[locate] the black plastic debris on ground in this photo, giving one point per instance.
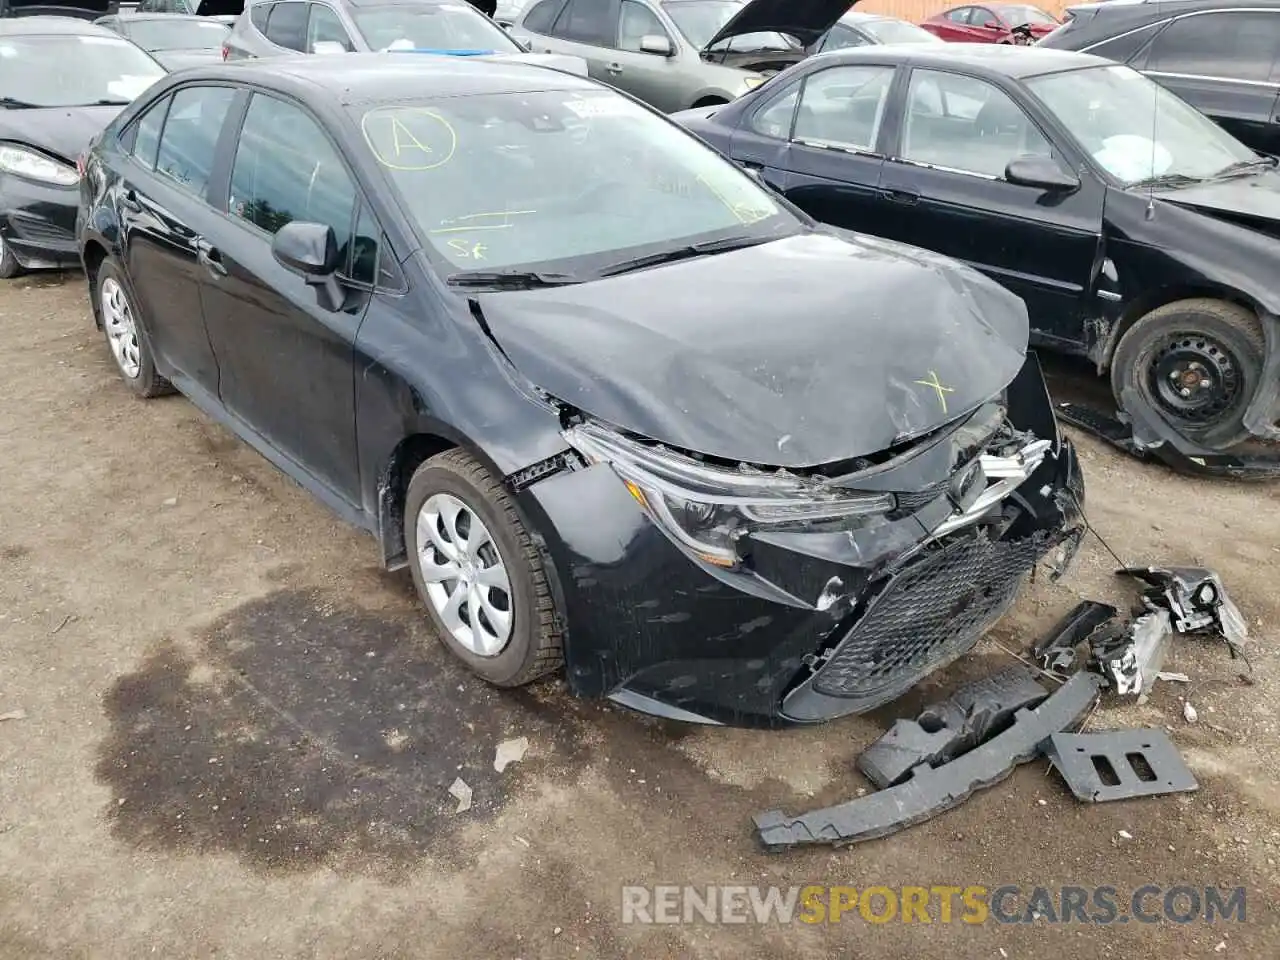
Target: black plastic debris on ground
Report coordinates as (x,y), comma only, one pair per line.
(947,729)
(932,790)
(1119,764)
(1195,598)
(1056,650)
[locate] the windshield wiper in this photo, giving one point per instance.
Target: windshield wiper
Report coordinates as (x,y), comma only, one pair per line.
(1167,180)
(9,103)
(520,279)
(1243,166)
(108,102)
(681,253)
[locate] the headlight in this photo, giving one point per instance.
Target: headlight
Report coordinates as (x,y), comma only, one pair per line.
(752,82)
(34,166)
(705,510)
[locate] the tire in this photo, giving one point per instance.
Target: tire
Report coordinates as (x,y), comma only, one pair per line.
(9,265)
(1223,343)
(533,645)
(126,340)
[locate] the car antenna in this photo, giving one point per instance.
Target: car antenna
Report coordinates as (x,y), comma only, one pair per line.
(1155,122)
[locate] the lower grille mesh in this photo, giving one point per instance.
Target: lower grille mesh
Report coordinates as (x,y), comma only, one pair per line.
(929,613)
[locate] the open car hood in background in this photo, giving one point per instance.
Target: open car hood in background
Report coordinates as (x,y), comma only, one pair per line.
(800,352)
(806,20)
(80,9)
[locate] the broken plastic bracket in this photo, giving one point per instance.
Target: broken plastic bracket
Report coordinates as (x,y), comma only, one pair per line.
(946,729)
(1056,650)
(932,790)
(1196,599)
(1131,659)
(1085,759)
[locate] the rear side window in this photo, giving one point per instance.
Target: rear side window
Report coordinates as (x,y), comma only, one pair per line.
(190,135)
(959,14)
(1124,48)
(287,169)
(287,25)
(258,15)
(843,106)
(1240,45)
(540,18)
(587,21)
(146,135)
(774,119)
(325,27)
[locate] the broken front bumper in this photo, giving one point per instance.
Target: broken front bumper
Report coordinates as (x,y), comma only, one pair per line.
(820,624)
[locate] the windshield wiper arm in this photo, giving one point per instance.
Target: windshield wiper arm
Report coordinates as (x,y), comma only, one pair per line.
(1241,166)
(10,103)
(1167,180)
(510,278)
(108,102)
(681,253)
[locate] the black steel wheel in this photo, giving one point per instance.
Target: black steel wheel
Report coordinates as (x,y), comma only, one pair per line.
(1196,364)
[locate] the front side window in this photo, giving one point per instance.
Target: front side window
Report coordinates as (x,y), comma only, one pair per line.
(430,26)
(325,27)
(701,20)
(287,169)
(178,34)
(287,25)
(843,106)
(965,124)
(34,70)
(635,22)
(146,137)
(1238,45)
(497,181)
(982,17)
(190,135)
(1114,111)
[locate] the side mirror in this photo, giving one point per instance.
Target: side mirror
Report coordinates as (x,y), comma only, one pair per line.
(1042,172)
(311,249)
(658,46)
(327,47)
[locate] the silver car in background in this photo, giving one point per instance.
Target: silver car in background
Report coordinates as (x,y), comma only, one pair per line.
(677,54)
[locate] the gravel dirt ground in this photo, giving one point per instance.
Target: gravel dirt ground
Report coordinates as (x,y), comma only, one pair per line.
(239,734)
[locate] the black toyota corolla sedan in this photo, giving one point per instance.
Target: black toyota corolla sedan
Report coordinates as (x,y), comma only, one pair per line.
(612,403)
(61,82)
(1140,234)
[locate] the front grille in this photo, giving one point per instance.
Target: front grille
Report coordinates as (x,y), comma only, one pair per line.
(911,502)
(928,614)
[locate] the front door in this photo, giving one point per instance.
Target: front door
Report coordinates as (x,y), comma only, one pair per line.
(162,209)
(285,361)
(653,78)
(943,188)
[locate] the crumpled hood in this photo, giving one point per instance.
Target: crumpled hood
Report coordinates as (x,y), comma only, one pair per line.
(62,132)
(1254,197)
(800,352)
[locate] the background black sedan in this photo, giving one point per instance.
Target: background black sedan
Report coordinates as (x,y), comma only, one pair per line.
(175,40)
(61,82)
(595,387)
(1156,259)
(1221,56)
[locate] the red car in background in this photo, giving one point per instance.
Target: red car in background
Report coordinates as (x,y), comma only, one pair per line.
(991,23)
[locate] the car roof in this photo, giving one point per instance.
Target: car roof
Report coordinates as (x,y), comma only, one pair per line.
(994,59)
(387,77)
(52,26)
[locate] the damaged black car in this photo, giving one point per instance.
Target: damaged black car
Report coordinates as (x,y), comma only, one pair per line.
(615,406)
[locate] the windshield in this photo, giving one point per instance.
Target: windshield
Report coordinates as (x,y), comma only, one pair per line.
(177,34)
(1015,15)
(33,70)
(898,31)
(584,177)
(700,20)
(1136,129)
(431,26)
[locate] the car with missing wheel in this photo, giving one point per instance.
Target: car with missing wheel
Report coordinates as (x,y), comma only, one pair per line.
(48,113)
(1140,234)
(616,406)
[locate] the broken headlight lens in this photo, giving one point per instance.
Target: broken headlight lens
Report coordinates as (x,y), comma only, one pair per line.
(707,509)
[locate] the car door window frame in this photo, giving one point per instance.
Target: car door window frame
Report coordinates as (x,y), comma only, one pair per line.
(895,153)
(361,202)
(218,143)
(1147,51)
(306,19)
(617,32)
(307,40)
(964,14)
(606,40)
(974,12)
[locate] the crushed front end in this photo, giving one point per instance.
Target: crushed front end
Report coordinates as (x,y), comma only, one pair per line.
(735,593)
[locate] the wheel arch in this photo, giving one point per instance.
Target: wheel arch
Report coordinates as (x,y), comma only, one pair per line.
(92,254)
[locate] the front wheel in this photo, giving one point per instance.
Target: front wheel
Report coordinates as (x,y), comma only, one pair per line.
(479,573)
(1196,363)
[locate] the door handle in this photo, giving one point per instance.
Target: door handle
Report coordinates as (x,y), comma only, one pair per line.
(208,255)
(898,195)
(614,68)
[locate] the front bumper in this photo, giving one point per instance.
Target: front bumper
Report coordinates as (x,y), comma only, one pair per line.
(38,223)
(891,602)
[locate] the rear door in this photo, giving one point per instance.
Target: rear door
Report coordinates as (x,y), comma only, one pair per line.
(1224,63)
(285,361)
(945,176)
(163,210)
(586,29)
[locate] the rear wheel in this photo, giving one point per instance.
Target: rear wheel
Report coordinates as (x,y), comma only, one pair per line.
(129,347)
(1196,363)
(479,573)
